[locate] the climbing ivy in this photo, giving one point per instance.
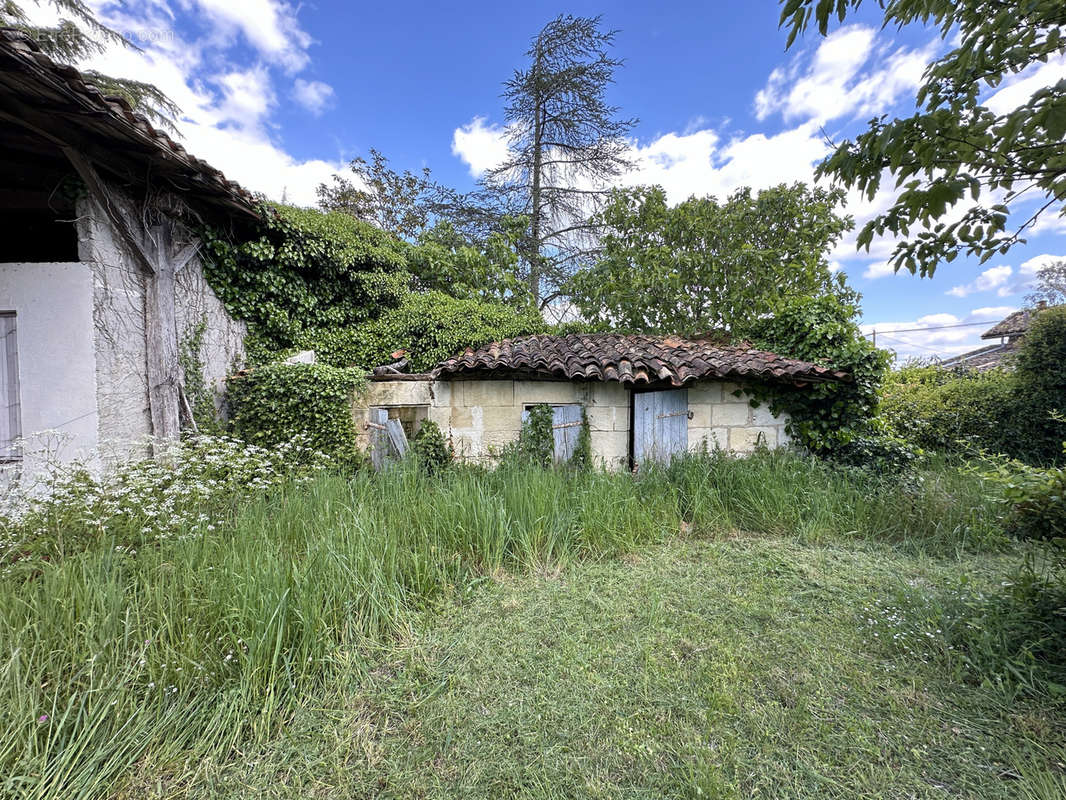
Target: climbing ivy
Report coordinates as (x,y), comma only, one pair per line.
(822,330)
(276,403)
(305,270)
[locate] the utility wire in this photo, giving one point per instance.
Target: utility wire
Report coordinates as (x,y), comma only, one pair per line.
(932,328)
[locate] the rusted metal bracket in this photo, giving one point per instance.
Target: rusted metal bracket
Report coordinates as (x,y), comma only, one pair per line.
(687,414)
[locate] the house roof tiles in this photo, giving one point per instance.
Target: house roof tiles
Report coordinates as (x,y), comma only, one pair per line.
(631,359)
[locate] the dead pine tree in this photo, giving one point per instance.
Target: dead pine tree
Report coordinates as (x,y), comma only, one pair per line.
(566,146)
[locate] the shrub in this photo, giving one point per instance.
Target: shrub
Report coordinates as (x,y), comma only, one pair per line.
(429,446)
(954,412)
(536,442)
(1035,497)
(1041,372)
(277,402)
(430,327)
(881,452)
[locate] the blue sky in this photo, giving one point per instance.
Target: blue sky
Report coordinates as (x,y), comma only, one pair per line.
(280,96)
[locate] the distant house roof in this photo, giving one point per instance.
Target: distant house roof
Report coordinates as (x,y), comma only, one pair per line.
(59,105)
(1015,324)
(631,360)
(983,359)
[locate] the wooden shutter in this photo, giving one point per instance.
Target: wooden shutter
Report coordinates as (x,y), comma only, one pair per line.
(566,428)
(10,404)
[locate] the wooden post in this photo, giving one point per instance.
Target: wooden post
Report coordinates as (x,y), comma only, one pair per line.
(161,338)
(158,265)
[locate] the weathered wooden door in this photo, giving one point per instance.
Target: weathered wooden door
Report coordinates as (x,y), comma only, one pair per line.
(660,425)
(566,428)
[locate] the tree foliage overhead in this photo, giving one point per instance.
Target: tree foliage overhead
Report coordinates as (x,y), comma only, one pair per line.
(79,35)
(706,264)
(566,142)
(955,149)
(1050,285)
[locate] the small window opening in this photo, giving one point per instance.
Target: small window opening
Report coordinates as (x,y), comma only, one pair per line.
(36,236)
(410,418)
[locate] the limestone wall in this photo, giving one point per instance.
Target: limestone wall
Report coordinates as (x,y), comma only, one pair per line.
(482,416)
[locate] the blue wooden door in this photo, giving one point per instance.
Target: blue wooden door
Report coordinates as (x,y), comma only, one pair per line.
(660,425)
(566,428)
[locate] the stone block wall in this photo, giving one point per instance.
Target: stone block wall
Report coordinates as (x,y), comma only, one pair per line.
(483,416)
(722,418)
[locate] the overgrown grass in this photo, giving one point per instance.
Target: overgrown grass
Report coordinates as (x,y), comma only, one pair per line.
(199,644)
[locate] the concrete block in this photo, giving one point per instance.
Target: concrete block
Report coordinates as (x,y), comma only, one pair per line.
(745,440)
(611,446)
(530,392)
(727,393)
(715,438)
(488,393)
(701,413)
(501,418)
(763,416)
(609,393)
(705,392)
(440,393)
(398,393)
(621,418)
(441,415)
(601,418)
(730,414)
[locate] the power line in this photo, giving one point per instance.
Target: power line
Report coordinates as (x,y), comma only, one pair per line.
(931,328)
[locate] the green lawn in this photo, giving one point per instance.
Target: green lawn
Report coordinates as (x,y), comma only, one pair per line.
(742,666)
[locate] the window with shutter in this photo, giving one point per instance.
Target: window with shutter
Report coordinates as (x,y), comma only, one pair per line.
(10,408)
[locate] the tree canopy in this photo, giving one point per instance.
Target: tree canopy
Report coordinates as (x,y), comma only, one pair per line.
(706,264)
(956,150)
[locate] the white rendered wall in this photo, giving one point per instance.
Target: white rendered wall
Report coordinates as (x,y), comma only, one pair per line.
(53,304)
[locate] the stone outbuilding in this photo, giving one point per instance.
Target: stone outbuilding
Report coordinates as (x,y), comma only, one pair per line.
(646,398)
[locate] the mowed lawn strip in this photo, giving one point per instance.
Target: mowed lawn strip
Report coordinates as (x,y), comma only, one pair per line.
(732,668)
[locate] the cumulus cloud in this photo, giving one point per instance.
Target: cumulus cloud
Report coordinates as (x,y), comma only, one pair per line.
(480,145)
(227,105)
(270,26)
(315,96)
(849,73)
(997,278)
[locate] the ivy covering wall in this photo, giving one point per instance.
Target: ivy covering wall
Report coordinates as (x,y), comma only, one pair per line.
(275,403)
(325,281)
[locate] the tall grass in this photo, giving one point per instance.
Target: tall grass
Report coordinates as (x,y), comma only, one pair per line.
(196,644)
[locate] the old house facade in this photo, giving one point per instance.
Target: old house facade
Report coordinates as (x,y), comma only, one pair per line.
(646,398)
(103,300)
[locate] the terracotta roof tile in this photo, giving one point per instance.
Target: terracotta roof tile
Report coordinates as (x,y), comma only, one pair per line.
(632,359)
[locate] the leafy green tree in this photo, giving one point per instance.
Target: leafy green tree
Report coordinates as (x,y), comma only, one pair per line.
(955,149)
(78,35)
(400,203)
(706,264)
(566,144)
(446,261)
(1040,367)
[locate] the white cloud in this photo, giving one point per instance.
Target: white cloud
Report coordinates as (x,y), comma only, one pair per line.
(247,97)
(315,96)
(1017,89)
(481,146)
(833,84)
(227,106)
(1037,263)
(993,278)
(270,26)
